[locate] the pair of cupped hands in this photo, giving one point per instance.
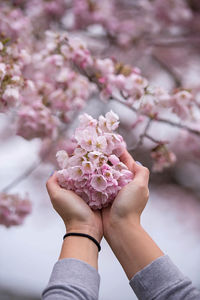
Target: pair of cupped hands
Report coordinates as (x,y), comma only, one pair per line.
(125,210)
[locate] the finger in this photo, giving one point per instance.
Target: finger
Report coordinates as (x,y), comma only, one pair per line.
(52,184)
(141,174)
(127,159)
(55,191)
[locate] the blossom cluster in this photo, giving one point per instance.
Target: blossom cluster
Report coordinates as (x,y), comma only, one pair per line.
(13,209)
(36,120)
(42,87)
(162,158)
(126,83)
(147,18)
(94,170)
(11,79)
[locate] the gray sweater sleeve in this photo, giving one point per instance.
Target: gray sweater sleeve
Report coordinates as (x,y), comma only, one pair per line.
(72,279)
(162,280)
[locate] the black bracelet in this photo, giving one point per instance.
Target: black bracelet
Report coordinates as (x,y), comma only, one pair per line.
(84,235)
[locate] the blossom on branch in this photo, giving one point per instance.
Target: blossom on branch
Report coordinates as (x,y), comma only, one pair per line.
(13,209)
(162,158)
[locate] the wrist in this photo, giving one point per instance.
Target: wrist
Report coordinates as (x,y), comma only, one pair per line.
(116,228)
(81,248)
(129,240)
(86,229)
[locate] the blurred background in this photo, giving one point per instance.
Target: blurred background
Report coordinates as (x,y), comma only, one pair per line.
(162,39)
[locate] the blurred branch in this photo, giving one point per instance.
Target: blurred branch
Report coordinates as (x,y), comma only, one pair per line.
(168,69)
(23,176)
(35,165)
(176,41)
(162,120)
(154,140)
(92,78)
(142,136)
(178,125)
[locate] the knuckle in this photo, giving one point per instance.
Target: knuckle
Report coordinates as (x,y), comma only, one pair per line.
(54,196)
(47,184)
(143,190)
(146,171)
(147,193)
(141,187)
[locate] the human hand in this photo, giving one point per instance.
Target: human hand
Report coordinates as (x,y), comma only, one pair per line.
(130,243)
(130,201)
(76,214)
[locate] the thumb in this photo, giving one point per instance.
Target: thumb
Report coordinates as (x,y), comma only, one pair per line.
(52,185)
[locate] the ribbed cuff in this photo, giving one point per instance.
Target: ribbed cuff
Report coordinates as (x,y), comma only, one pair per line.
(75,272)
(156,278)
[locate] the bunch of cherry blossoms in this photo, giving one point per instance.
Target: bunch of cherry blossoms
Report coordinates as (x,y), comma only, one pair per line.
(41,86)
(13,209)
(10,78)
(139,20)
(126,84)
(94,170)
(162,157)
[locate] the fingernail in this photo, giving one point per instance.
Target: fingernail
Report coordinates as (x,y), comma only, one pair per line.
(138,163)
(51,174)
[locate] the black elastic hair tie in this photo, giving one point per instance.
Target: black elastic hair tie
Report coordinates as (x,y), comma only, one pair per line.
(83,235)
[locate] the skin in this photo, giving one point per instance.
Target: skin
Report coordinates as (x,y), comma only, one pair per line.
(77,217)
(119,223)
(132,246)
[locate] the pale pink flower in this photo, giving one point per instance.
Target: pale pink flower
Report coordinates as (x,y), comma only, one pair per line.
(100,143)
(113,159)
(112,121)
(80,152)
(36,121)
(94,156)
(181,104)
(13,209)
(102,124)
(162,158)
(75,172)
(11,96)
(98,182)
(75,160)
(105,66)
(86,120)
(62,158)
(120,166)
(97,198)
(86,138)
(87,167)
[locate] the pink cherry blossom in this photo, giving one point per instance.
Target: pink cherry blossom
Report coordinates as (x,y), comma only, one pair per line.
(36,121)
(62,158)
(98,182)
(112,121)
(162,158)
(113,159)
(181,104)
(13,209)
(87,167)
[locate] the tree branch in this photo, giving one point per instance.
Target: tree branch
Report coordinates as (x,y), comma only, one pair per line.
(23,176)
(160,120)
(154,140)
(169,70)
(142,136)
(178,125)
